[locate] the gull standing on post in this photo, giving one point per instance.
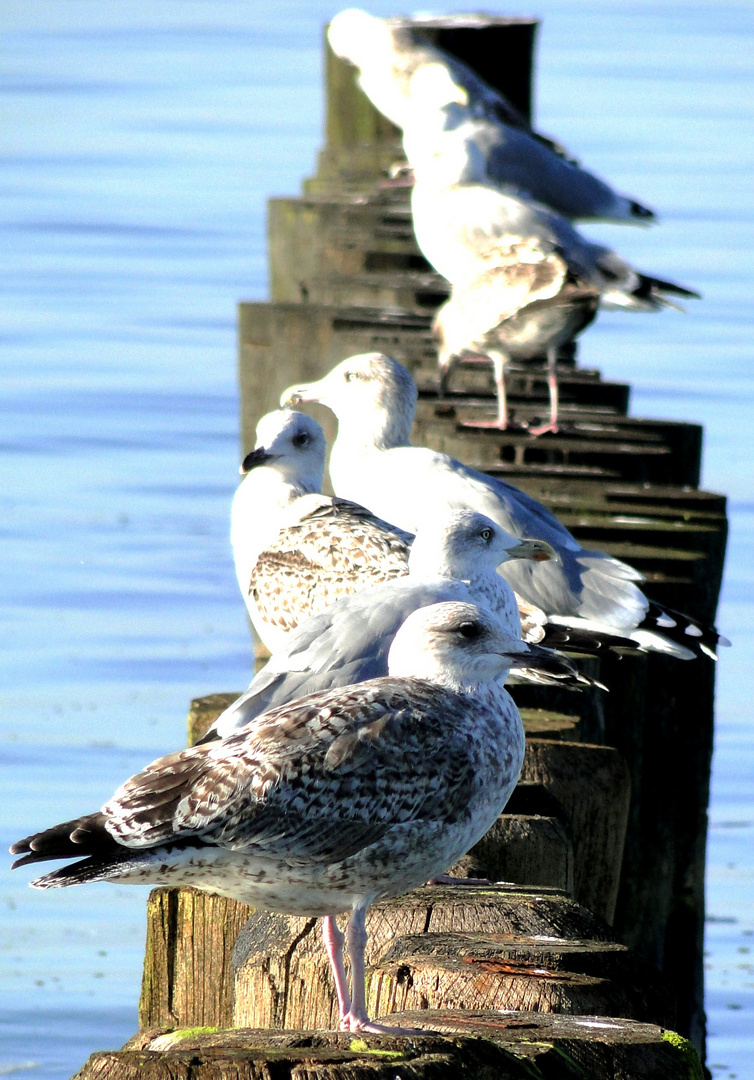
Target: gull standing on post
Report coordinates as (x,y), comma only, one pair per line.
(331,803)
(502,148)
(374,399)
(524,280)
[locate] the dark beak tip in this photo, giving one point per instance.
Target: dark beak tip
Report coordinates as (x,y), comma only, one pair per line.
(253,459)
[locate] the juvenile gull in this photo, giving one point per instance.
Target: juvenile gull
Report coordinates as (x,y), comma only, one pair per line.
(462,227)
(297,551)
(406,78)
(374,398)
(330,803)
(524,305)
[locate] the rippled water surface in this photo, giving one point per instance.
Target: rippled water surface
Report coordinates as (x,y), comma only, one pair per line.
(139,142)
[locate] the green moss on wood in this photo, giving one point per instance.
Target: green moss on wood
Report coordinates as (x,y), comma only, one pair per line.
(694,1070)
(359,1046)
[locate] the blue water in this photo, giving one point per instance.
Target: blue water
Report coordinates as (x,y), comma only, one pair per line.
(139,142)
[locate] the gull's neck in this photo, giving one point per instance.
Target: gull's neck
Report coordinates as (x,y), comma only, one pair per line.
(260,501)
(484,691)
(381,428)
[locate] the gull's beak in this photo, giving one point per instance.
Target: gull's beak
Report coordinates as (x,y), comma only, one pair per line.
(515,650)
(296,394)
(254,459)
(537,550)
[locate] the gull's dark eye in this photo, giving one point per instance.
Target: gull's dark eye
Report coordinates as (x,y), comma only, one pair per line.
(350,376)
(301,439)
(470,630)
(486,535)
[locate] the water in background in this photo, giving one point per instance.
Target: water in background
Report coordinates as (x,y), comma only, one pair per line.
(139,144)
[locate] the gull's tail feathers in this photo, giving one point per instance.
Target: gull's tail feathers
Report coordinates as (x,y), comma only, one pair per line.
(86,836)
(642,213)
(586,640)
(648,294)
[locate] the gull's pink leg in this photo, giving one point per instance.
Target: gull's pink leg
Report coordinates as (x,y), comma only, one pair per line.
(498,367)
(357,1019)
(502,423)
(552,382)
(334,939)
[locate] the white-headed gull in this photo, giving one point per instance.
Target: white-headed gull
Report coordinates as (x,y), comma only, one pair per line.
(374,398)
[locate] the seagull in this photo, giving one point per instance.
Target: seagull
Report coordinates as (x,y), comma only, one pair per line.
(524,280)
(461,229)
(524,305)
(330,803)
(453,558)
(403,75)
(374,399)
(297,551)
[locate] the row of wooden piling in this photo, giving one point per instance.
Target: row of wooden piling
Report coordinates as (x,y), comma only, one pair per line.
(597,947)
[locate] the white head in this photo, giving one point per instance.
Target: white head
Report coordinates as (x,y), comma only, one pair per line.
(380,49)
(292,446)
(455,644)
(466,545)
(354,35)
(372,395)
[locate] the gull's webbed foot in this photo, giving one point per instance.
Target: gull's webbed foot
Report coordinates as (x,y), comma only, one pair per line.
(354,1022)
(552,427)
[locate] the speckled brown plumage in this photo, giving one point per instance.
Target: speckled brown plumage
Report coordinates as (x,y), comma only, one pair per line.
(332,551)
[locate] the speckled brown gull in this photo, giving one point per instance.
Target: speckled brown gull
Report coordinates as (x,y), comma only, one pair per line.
(461,229)
(523,304)
(330,803)
(406,78)
(524,280)
(374,399)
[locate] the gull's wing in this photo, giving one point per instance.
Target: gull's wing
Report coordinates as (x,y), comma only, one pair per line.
(345,644)
(333,551)
(320,779)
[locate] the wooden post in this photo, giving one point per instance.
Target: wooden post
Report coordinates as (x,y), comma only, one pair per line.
(484,1045)
(430,948)
(592,783)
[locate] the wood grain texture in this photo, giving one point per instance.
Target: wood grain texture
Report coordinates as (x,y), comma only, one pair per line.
(188,974)
(593,784)
(283,978)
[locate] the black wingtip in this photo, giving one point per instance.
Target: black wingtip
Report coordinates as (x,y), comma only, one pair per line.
(676,626)
(212,735)
(86,835)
